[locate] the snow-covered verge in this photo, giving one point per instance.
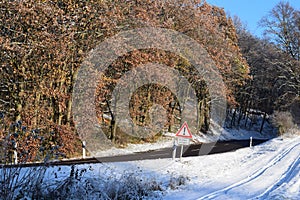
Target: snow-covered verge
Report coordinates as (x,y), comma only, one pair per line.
(163,142)
(268,171)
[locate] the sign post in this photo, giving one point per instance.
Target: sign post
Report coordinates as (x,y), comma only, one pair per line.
(183,137)
(181,152)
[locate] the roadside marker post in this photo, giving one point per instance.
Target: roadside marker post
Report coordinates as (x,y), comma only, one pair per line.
(250,142)
(174,149)
(83,149)
(183,137)
(15,153)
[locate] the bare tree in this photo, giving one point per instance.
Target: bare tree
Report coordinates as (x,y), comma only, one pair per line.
(282,26)
(275,82)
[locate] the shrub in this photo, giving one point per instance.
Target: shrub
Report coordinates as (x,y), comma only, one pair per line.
(133,185)
(21,183)
(17,181)
(283,120)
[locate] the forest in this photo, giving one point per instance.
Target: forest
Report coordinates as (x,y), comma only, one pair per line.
(44,43)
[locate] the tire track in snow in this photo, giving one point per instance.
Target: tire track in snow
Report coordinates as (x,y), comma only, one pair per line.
(257,175)
(285,178)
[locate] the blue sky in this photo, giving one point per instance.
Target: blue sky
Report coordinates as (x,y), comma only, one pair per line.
(250,11)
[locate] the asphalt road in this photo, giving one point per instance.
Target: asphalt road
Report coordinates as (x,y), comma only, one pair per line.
(191,150)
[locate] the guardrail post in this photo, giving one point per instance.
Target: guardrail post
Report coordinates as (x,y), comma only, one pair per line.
(83,149)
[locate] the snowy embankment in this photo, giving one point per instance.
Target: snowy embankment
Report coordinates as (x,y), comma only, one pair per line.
(267,171)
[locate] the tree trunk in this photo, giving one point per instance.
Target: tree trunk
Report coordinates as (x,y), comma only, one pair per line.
(19,106)
(263,122)
(200,115)
(36,109)
(232,123)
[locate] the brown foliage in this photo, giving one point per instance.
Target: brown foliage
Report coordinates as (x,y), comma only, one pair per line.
(44,42)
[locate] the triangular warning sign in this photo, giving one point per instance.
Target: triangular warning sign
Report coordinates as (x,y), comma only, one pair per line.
(184,131)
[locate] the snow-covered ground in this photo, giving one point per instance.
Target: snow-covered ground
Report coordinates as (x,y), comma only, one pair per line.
(267,171)
(164,142)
